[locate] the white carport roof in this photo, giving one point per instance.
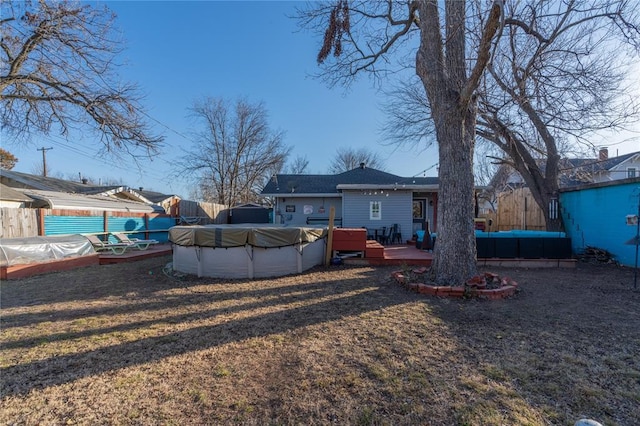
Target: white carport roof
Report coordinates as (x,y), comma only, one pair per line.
(63,200)
(11,194)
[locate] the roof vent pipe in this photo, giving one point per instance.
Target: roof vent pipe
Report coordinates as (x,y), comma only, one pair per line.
(362,165)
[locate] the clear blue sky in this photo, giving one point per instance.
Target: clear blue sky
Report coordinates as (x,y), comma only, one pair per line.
(181,51)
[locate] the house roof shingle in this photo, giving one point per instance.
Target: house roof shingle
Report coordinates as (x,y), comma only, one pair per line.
(328,184)
(65,200)
(45,183)
(27,181)
(9,194)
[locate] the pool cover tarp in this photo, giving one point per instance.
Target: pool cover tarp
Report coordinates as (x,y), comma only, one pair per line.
(18,251)
(239,235)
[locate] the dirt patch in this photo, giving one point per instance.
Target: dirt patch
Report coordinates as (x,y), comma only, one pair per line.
(127,344)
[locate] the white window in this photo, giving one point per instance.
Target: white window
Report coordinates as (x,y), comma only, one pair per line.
(375,210)
(631,172)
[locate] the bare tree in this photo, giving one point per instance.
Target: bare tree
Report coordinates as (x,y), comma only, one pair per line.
(485,169)
(559,74)
(7,160)
(350,158)
(408,121)
(236,151)
(41,169)
(298,166)
(557,77)
(364,37)
(57,73)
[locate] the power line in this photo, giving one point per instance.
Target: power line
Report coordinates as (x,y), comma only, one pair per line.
(167,127)
(425,170)
(112,165)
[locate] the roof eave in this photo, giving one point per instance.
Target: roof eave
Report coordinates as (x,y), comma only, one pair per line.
(626,160)
(359,186)
(26,181)
(302,194)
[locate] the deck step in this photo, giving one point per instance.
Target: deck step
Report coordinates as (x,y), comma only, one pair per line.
(374,250)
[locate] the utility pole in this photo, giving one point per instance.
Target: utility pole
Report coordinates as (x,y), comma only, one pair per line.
(44,159)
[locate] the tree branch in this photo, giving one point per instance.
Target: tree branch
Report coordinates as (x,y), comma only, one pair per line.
(484,56)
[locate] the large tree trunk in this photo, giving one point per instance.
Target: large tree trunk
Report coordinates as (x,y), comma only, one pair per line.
(455,252)
(441,66)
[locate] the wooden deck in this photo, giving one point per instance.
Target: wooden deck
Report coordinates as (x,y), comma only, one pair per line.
(29,269)
(401,254)
(408,254)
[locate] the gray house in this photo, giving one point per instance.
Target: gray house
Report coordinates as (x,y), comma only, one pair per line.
(362,197)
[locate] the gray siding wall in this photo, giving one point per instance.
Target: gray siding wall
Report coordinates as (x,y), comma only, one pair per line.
(299,218)
(396,207)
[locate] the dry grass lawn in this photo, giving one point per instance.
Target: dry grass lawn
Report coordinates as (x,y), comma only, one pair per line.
(129,345)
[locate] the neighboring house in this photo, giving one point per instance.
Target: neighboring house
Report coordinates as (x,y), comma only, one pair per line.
(64,194)
(615,168)
(517,208)
(80,208)
(170,203)
(362,197)
(68,201)
(9,197)
(578,171)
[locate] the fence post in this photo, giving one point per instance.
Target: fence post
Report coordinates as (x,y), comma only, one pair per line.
(41,230)
(105,224)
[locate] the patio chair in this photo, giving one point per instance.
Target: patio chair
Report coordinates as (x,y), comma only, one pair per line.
(385,238)
(134,242)
(370,236)
(115,248)
(396,234)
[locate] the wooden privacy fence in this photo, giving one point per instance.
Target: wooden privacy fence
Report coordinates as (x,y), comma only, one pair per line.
(518,210)
(18,222)
(207,213)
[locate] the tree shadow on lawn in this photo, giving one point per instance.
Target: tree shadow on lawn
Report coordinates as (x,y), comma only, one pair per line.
(322,302)
(567,343)
(163,298)
(536,356)
(91,283)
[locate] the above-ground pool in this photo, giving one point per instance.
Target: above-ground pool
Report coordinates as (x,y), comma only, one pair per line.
(246,251)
